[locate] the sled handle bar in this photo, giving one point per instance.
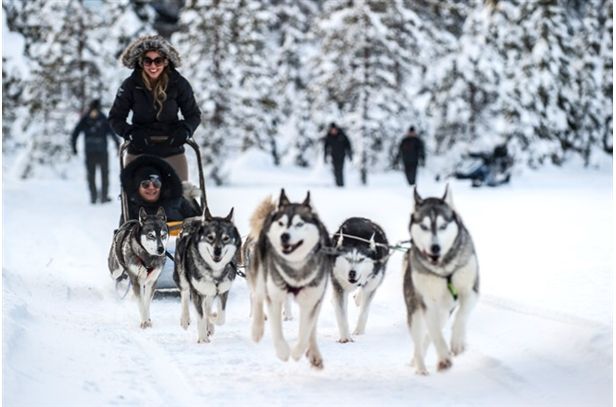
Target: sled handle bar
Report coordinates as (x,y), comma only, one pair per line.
(197,151)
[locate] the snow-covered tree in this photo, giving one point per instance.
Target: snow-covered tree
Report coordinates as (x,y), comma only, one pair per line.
(206,43)
(297,135)
(360,72)
(544,82)
(258,105)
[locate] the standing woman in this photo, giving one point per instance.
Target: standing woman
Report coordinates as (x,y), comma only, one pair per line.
(154,92)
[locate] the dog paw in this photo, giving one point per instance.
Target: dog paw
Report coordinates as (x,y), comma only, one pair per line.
(257,331)
(204,340)
(298,352)
(146,324)
(345,340)
(457,347)
(315,359)
(283,351)
(444,364)
(358,331)
(210,329)
(184,322)
(421,372)
(218,319)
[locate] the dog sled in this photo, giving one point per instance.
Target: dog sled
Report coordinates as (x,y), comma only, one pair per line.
(486,168)
(165,283)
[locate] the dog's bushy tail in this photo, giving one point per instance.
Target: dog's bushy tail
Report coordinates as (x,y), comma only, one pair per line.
(258,217)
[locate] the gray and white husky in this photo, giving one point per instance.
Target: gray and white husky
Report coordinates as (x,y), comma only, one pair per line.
(441,274)
(288,259)
(138,252)
(360,262)
(205,267)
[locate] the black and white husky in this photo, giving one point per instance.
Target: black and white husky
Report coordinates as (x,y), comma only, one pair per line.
(441,274)
(205,267)
(288,259)
(138,252)
(360,262)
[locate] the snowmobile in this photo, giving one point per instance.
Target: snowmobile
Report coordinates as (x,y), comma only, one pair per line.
(486,168)
(165,283)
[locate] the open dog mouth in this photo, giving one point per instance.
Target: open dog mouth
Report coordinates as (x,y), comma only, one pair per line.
(290,248)
(433,258)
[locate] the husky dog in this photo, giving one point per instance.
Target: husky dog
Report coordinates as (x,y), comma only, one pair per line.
(138,252)
(248,249)
(205,266)
(441,274)
(360,263)
(288,259)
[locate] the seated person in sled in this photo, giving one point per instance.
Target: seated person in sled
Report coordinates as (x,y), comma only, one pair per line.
(150,182)
(491,169)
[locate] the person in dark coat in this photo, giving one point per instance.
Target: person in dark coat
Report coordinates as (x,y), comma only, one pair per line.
(337,146)
(155,92)
(412,153)
(150,182)
(95,127)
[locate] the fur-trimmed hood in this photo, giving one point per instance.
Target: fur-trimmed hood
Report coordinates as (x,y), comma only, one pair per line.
(172,185)
(132,54)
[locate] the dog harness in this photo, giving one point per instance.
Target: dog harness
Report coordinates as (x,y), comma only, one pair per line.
(148,270)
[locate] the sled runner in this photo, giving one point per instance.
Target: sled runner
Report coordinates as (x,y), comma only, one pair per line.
(165,282)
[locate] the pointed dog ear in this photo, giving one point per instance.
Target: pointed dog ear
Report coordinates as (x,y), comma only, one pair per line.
(417,200)
(448,197)
(207,216)
(307,200)
(229,217)
(416,197)
(142,215)
(160,213)
(283,200)
(340,240)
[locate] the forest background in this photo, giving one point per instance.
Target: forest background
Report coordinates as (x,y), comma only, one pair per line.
(272,75)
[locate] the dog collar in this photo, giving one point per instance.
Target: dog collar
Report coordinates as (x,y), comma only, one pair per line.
(452,289)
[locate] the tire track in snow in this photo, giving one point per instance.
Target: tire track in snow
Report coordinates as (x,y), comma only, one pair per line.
(517,307)
(171,382)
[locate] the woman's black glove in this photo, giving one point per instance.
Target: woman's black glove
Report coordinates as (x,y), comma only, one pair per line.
(138,138)
(179,137)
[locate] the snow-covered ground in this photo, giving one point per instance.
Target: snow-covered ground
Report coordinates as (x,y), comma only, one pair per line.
(541,333)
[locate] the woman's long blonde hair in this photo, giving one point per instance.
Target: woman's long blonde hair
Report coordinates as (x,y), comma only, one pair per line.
(159,90)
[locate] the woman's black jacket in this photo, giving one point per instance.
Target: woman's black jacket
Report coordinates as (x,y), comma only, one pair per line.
(134,96)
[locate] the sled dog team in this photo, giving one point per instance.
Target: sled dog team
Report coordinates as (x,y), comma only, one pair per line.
(289,254)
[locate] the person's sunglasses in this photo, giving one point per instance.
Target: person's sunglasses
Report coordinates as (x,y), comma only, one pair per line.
(158,61)
(145,184)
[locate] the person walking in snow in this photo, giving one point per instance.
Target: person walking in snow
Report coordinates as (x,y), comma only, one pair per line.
(412,153)
(337,146)
(95,127)
(155,92)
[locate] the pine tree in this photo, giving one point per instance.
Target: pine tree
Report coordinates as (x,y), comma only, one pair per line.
(206,43)
(258,105)
(545,83)
(467,103)
(359,75)
(298,136)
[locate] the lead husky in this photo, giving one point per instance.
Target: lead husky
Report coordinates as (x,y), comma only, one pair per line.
(441,274)
(288,259)
(361,259)
(205,268)
(138,251)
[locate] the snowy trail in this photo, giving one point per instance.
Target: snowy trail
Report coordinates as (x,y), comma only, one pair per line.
(66,335)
